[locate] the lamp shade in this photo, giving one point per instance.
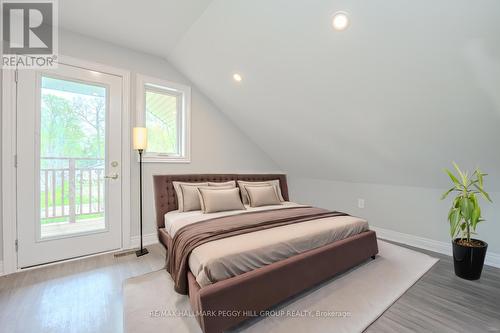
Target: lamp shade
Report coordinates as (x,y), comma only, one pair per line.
(140,138)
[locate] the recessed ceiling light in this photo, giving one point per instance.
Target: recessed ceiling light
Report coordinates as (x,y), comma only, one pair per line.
(340,21)
(237,77)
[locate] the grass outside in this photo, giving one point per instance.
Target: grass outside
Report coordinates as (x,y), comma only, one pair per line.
(66,219)
(57,199)
(85,199)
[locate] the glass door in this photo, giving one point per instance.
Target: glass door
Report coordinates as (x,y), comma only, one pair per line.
(72,151)
(69,143)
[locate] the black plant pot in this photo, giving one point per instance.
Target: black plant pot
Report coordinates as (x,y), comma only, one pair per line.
(469,261)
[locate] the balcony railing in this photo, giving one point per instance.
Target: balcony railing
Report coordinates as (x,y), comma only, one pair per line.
(71,187)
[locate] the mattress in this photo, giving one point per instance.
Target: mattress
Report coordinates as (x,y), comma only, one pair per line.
(228,257)
(174,220)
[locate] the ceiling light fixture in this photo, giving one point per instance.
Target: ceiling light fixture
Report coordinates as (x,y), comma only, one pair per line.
(340,21)
(237,77)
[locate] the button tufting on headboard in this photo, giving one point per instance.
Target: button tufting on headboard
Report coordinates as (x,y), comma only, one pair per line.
(166,199)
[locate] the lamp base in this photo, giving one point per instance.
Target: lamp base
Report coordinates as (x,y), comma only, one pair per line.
(141,252)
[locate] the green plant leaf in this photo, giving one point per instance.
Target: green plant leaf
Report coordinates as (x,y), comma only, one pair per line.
(475,181)
(476,213)
(453,178)
(450,212)
(465,212)
(445,194)
(485,195)
(454,221)
(466,207)
(461,174)
(479,177)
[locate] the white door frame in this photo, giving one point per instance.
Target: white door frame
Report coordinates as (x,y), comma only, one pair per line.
(9,204)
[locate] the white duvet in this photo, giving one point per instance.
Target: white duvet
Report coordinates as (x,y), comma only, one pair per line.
(224,258)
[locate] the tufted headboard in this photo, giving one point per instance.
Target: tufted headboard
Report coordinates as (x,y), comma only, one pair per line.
(166,199)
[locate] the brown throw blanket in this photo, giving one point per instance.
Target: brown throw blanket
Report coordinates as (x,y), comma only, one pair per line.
(191,236)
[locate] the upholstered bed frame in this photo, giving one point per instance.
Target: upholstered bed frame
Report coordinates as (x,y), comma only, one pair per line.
(250,293)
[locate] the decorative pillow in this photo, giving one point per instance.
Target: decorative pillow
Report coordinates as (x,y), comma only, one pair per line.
(229,184)
(275,183)
(215,188)
(219,200)
(191,195)
(262,195)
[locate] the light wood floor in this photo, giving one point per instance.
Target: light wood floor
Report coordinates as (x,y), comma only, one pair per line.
(77,296)
(443,302)
(85,296)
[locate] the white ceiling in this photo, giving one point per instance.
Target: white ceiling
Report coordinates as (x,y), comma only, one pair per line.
(406,89)
(150,26)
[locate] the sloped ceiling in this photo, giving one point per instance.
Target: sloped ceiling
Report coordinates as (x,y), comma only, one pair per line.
(406,89)
(150,26)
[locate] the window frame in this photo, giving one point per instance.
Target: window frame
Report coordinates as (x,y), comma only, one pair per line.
(145,83)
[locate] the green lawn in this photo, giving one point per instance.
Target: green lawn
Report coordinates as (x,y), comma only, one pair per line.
(85,199)
(64,219)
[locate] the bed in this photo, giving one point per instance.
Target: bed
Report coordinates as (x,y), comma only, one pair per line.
(239,283)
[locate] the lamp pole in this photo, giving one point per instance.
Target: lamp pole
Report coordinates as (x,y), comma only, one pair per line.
(140,140)
(142,251)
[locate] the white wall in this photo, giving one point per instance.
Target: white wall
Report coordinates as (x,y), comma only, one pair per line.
(216,144)
(411,210)
(1,207)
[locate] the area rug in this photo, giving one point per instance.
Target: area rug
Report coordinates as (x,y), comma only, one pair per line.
(347,303)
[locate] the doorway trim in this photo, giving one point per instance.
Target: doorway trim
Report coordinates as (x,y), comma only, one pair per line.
(9,144)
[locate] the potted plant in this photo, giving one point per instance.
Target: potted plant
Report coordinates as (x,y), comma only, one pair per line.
(464,216)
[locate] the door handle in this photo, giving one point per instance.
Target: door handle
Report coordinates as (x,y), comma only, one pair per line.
(112,176)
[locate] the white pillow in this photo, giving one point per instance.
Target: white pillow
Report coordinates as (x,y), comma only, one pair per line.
(215,188)
(262,195)
(230,184)
(275,183)
(220,199)
(191,196)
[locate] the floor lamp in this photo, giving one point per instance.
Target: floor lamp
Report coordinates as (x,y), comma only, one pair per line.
(140,136)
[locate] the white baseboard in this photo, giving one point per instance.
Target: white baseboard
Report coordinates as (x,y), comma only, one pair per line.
(492,259)
(148,239)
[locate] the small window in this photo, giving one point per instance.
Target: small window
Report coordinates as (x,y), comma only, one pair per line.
(164,111)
